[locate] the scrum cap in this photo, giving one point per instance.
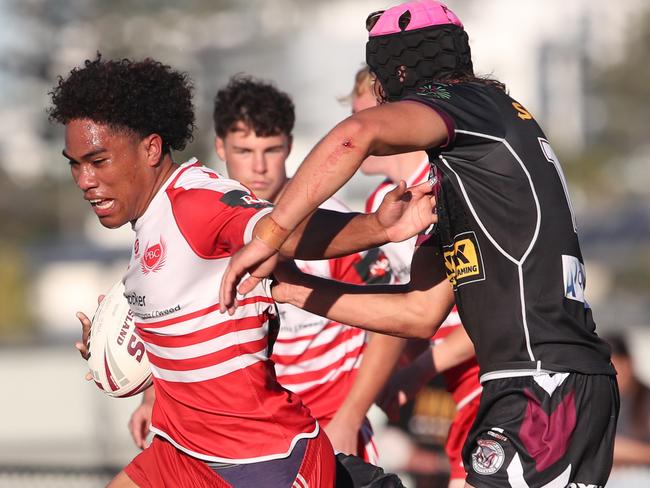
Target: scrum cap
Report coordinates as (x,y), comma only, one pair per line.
(415,43)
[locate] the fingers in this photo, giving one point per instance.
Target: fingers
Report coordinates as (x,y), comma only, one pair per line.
(248,284)
(396,193)
(135,428)
(226,292)
(82,346)
(422,188)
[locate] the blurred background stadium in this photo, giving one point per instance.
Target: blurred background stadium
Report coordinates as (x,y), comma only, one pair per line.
(581,67)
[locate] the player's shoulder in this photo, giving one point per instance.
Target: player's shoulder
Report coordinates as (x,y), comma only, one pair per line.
(195,175)
(199,194)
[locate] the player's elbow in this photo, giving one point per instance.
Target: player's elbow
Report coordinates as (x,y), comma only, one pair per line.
(418,324)
(354,134)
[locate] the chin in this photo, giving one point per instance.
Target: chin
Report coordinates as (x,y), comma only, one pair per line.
(111,223)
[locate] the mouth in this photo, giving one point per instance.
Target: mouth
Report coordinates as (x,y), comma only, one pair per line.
(102,206)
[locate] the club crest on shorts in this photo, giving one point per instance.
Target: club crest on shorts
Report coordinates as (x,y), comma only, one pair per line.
(488,457)
(153,258)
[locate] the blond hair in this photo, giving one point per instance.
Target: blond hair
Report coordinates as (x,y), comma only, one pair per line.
(363,81)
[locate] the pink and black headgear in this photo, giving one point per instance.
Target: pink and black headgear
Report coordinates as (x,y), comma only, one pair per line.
(416,43)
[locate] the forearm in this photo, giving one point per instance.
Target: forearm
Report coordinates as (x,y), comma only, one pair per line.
(455,349)
(379,360)
(329,165)
(328,234)
(386,309)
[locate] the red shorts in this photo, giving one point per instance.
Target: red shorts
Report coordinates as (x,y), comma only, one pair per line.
(162,465)
(458,430)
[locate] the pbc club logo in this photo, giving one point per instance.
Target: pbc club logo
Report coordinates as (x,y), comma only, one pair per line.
(463,260)
(153,258)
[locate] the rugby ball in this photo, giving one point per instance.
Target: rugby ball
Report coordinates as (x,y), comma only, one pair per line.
(118,360)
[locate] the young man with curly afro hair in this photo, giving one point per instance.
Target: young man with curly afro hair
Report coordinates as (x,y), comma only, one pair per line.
(220,417)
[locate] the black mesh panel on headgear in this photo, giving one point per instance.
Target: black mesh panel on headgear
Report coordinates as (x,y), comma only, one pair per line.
(405,60)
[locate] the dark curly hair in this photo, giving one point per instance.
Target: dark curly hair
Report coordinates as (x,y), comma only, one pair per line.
(257,104)
(142,97)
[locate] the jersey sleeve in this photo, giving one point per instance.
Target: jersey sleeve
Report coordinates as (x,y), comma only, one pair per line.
(466,107)
(217,224)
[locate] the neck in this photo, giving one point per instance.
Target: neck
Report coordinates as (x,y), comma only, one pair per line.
(166,167)
(402,166)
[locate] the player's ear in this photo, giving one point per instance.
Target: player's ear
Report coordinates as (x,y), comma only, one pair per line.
(153,147)
(220,146)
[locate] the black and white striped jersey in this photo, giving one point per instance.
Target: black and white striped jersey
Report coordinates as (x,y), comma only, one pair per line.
(509,237)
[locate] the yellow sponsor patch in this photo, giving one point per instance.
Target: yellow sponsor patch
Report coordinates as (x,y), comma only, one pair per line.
(463,260)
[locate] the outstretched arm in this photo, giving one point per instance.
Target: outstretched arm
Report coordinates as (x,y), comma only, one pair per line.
(388,129)
(413,310)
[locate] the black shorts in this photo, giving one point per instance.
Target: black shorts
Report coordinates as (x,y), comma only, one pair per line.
(553,430)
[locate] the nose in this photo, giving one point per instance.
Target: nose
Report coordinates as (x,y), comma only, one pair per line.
(259,163)
(84,176)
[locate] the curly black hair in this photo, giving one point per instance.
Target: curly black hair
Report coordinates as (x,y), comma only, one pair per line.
(143,97)
(257,104)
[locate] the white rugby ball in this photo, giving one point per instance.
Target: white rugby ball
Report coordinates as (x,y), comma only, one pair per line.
(118,360)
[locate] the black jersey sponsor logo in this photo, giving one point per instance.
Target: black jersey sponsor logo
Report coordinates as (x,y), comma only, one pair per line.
(463,260)
(240,198)
(488,457)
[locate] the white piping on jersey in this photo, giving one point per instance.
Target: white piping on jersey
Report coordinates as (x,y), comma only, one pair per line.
(468,398)
(210,372)
(515,373)
(210,346)
(521,261)
(217,459)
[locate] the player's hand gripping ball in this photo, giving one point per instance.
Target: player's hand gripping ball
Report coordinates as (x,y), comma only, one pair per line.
(117,361)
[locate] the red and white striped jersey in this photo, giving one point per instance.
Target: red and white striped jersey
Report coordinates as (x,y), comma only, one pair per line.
(217,396)
(461,381)
(314,356)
